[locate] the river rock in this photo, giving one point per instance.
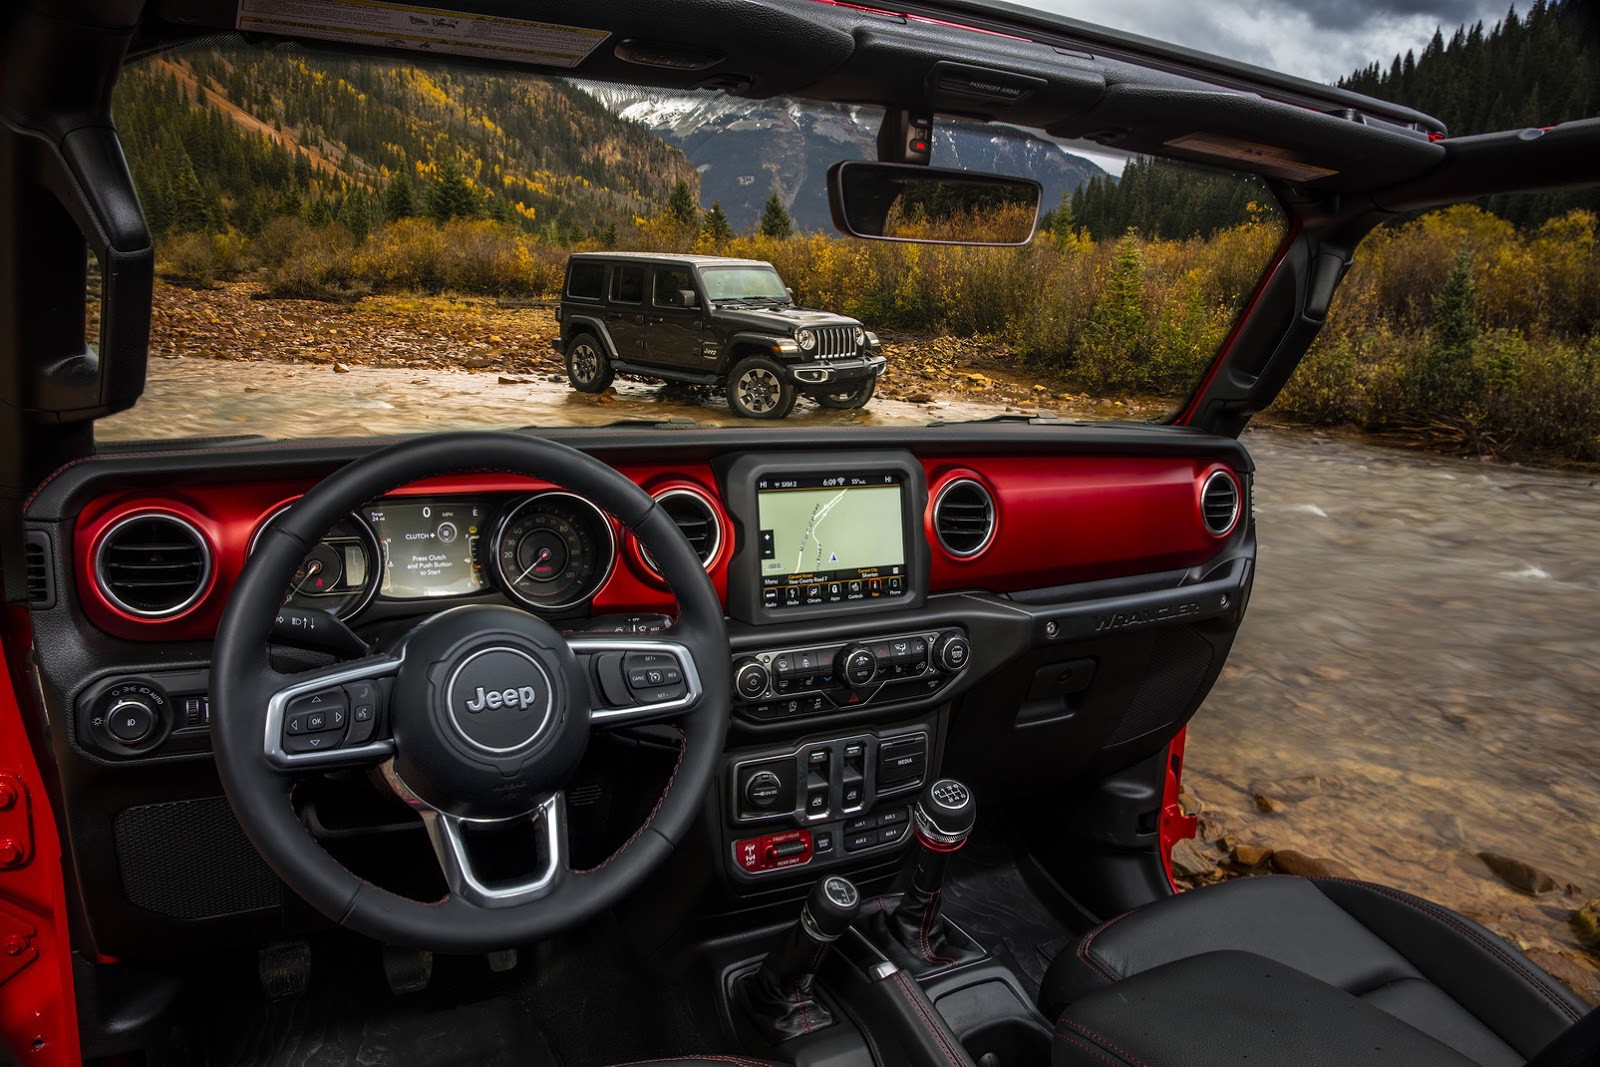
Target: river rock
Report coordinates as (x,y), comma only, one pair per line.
(1288,861)
(1518,874)
(1191,859)
(1270,805)
(1586,923)
(1251,855)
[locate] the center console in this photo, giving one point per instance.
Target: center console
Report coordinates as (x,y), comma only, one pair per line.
(826,540)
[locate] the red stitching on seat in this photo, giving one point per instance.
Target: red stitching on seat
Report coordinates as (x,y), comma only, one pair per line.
(933,1028)
(1086,1032)
(1098,1054)
(1451,920)
(683,747)
(1084,955)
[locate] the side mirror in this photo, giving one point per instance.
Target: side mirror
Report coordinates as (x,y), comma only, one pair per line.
(910,202)
(790,290)
(688,299)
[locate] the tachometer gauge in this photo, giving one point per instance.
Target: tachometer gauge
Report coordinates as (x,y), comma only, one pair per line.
(339,575)
(553,550)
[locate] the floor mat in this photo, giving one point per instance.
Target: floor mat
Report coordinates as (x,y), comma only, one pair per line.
(988,895)
(576,1002)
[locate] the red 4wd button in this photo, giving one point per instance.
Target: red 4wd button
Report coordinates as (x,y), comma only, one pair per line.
(788,848)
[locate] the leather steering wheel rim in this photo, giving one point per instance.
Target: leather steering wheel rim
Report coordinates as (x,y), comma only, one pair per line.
(244,683)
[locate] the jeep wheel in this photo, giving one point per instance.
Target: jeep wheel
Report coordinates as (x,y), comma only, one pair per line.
(854,398)
(588,368)
(758,389)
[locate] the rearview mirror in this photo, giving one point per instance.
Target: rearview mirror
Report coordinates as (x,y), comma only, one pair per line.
(910,202)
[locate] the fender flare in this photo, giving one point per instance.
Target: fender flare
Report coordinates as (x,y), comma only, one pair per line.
(765,341)
(587,324)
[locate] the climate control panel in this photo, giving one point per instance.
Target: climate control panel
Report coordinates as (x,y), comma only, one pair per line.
(789,682)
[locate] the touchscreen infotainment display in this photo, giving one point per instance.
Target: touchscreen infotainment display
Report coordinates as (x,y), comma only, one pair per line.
(831,539)
(429,549)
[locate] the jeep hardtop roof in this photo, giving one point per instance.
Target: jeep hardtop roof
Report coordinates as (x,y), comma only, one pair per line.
(671,257)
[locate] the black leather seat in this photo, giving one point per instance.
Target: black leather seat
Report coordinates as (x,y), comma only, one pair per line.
(1409,959)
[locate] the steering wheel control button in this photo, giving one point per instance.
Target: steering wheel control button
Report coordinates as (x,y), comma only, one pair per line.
(498,699)
(131,721)
(363,698)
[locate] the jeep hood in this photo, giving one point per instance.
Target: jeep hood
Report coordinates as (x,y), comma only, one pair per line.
(786,320)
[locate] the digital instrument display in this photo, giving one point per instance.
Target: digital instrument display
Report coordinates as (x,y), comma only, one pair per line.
(831,538)
(429,549)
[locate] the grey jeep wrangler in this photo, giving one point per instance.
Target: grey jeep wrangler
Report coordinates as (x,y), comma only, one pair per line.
(709,320)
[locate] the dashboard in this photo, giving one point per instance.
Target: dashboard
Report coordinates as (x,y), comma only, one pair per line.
(1015,605)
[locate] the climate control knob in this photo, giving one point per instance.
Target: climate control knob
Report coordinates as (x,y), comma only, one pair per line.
(856,665)
(750,679)
(951,652)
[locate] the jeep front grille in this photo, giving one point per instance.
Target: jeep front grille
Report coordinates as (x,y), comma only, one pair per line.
(835,341)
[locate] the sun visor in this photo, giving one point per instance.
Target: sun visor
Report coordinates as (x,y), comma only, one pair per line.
(1244,132)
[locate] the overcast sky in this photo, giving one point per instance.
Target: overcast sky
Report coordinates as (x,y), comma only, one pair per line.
(1317,39)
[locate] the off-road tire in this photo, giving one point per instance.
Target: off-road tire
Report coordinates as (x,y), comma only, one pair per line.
(588,366)
(758,388)
(858,397)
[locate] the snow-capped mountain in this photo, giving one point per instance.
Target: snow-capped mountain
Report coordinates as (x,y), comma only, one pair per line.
(746,150)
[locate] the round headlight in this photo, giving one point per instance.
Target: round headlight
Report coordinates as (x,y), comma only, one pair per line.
(861,336)
(806,340)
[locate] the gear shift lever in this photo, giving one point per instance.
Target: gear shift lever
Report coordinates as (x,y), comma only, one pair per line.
(943,818)
(779,997)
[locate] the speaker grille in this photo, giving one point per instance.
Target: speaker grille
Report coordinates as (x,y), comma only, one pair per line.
(1179,661)
(190,860)
(41,583)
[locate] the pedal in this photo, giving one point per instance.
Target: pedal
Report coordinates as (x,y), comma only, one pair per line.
(407,970)
(502,961)
(284,969)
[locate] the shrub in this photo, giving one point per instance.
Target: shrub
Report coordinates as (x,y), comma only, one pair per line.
(318,267)
(198,260)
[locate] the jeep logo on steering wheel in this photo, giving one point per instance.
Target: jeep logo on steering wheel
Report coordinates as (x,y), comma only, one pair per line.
(498,699)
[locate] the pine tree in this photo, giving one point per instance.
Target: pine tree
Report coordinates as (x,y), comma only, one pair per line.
(355,212)
(775,220)
(681,205)
(608,236)
(400,198)
(451,197)
(717,226)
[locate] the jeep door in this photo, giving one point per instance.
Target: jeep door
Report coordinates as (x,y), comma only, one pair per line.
(625,311)
(676,331)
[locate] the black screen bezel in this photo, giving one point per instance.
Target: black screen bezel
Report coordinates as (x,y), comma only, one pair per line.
(738,479)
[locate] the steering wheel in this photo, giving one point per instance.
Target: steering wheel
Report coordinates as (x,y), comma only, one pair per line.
(476,717)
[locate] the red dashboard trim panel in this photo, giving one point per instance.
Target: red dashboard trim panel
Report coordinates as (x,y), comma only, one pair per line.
(1059,520)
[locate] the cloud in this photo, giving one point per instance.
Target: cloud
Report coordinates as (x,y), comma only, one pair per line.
(1318,39)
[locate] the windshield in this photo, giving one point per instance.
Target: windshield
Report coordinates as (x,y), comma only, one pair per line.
(743,283)
(358,246)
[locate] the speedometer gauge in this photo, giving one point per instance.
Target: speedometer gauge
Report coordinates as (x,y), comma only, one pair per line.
(340,573)
(553,550)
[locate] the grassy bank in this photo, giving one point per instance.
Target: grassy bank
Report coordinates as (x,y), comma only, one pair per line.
(1455,328)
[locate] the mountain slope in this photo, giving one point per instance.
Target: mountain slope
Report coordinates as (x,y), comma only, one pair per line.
(264,132)
(747,150)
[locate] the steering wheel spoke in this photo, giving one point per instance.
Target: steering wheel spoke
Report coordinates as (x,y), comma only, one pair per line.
(332,717)
(637,680)
(450,836)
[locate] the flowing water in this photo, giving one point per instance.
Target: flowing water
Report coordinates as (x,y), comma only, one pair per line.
(1417,680)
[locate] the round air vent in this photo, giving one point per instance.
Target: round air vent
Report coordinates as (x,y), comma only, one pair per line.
(963,518)
(152,565)
(1219,503)
(697,518)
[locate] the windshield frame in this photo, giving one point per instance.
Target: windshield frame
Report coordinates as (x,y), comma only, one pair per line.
(742,268)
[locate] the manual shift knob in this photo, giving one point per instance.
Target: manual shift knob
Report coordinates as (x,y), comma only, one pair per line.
(945,814)
(833,905)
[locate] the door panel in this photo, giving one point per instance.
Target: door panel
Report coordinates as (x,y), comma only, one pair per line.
(674,333)
(625,312)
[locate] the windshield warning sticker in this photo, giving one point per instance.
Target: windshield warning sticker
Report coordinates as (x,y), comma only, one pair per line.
(1268,159)
(424,29)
